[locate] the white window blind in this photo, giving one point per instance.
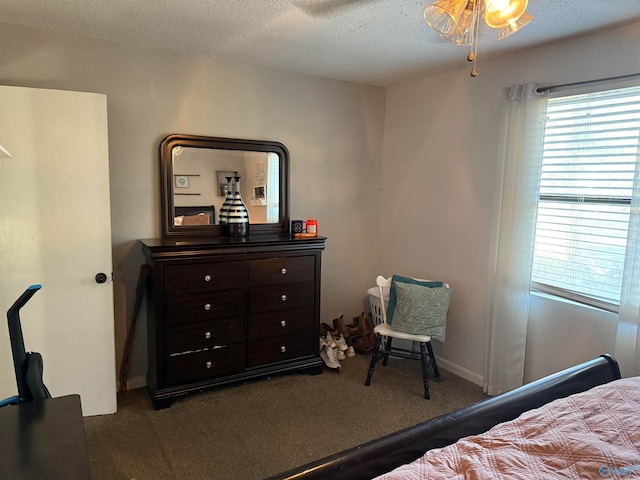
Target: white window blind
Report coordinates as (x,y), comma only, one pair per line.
(590,151)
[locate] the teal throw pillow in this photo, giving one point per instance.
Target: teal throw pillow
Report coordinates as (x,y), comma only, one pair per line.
(421,310)
(391,305)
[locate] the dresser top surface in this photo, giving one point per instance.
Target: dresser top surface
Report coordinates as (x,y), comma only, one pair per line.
(171,244)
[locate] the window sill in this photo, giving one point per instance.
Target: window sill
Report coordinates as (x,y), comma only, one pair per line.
(566,301)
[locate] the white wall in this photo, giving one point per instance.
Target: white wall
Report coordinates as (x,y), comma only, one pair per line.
(333,131)
(439,176)
(566,333)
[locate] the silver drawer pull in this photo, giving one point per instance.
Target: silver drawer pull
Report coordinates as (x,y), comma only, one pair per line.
(209,364)
(283,297)
(207,334)
(283,323)
(207,278)
(207,306)
(283,271)
(283,349)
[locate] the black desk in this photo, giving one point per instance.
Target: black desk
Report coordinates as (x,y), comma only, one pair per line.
(44,440)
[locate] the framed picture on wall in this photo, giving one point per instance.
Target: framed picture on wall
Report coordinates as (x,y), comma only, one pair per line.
(222,181)
(258,192)
(182,181)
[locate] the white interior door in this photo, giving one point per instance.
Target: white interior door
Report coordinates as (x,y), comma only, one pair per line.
(55,230)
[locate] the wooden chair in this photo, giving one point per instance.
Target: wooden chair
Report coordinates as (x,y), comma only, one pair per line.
(422,326)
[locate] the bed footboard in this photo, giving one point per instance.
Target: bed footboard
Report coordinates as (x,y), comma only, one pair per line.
(386,453)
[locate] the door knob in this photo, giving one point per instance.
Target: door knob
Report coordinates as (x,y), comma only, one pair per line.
(101,277)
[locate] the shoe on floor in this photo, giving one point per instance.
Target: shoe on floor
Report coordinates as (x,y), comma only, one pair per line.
(341,327)
(350,352)
(326,328)
(329,340)
(341,343)
(329,356)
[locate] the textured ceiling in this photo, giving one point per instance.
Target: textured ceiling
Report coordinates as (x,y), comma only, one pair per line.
(370,41)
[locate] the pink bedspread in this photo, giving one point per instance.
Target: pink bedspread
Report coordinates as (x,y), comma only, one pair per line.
(594,434)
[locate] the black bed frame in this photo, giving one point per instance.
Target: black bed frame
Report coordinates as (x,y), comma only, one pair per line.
(383,454)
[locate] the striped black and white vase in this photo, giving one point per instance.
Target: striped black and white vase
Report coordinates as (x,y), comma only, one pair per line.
(237,222)
(224,209)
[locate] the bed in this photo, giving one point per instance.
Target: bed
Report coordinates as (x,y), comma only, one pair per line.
(197,215)
(588,391)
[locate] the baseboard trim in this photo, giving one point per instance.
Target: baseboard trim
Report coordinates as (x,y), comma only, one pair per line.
(460,371)
(447,365)
(141,381)
(136,382)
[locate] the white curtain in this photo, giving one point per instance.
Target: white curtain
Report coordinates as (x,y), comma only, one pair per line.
(627,349)
(520,160)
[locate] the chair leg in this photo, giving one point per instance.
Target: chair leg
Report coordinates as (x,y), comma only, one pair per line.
(387,349)
(436,373)
(374,359)
(425,366)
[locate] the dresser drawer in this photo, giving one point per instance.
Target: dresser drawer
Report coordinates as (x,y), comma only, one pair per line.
(194,367)
(199,277)
(287,296)
(196,336)
(276,349)
(274,324)
(198,307)
(281,270)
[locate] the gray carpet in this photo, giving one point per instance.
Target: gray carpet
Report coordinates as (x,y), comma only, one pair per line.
(254,430)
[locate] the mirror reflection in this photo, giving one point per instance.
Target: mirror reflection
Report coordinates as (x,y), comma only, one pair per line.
(202,177)
(193,185)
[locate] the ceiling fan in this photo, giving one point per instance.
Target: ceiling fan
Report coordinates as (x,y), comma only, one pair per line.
(457,21)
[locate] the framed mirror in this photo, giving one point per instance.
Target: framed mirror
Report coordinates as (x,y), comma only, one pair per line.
(194,173)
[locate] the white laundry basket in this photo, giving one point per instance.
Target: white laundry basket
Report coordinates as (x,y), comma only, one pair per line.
(376,306)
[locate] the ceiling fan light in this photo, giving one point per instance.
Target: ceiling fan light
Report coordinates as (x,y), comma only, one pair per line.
(463,35)
(500,13)
(514,26)
(443,15)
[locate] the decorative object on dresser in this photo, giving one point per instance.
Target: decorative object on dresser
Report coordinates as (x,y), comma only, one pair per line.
(228,194)
(224,309)
(237,218)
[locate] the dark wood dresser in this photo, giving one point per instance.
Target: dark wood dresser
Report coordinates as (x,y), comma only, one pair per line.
(223,310)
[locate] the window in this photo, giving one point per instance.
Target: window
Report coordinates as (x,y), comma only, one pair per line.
(591,146)
(273,188)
